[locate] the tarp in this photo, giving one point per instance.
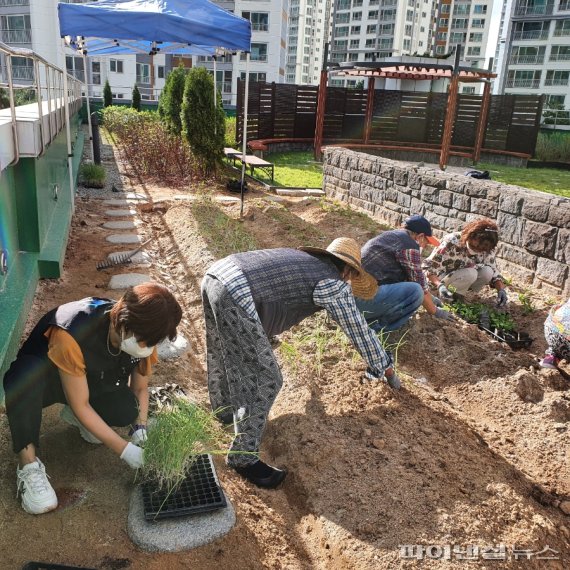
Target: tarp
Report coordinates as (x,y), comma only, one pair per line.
(189,22)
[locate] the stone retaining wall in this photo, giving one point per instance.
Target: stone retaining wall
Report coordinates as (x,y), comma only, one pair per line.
(534,227)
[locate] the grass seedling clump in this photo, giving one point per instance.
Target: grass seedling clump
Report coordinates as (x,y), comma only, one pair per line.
(92,175)
(181,431)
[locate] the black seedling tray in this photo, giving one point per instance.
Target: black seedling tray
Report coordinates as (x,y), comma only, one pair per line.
(49,566)
(199,492)
(513,339)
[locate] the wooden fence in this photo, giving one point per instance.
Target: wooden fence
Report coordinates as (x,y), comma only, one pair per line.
(398,117)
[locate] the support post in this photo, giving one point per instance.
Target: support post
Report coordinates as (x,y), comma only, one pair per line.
(215,93)
(482,126)
(450,112)
(321,103)
(369,110)
(244,135)
(68,140)
(88,105)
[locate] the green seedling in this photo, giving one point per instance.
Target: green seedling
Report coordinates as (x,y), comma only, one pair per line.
(502,321)
(525,299)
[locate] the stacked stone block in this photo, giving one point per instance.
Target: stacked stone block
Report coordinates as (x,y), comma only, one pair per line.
(534,227)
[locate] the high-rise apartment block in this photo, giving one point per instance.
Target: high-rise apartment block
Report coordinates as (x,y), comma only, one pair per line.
(537,50)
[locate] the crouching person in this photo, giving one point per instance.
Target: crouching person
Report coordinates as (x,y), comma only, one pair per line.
(95,357)
(249,297)
(557,334)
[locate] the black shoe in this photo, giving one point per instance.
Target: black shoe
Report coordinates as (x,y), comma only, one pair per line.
(262,475)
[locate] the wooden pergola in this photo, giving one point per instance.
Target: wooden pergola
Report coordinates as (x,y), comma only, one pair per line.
(415,71)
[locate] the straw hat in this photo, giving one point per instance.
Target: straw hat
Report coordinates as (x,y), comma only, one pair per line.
(364,286)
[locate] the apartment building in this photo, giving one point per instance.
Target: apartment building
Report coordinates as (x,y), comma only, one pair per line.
(465,23)
(307,32)
(537,53)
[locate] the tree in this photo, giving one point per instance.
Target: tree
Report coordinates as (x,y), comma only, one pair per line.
(136,99)
(4,99)
(107,95)
(203,124)
(170,102)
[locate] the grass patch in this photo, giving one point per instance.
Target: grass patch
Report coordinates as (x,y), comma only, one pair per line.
(294,169)
(223,234)
(551,180)
(295,227)
(353,216)
(92,175)
(180,432)
(553,146)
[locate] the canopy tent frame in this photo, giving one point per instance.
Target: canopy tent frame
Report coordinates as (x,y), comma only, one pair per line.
(200,29)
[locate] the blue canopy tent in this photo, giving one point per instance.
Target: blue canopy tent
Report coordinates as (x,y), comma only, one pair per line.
(158,26)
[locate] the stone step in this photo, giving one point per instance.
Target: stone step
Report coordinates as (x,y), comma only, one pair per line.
(125,280)
(124,238)
(119,213)
(139,258)
(124,225)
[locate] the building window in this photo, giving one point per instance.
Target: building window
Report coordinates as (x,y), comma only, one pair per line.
(143,73)
(444,22)
(560,53)
(160,71)
(372,29)
(355,30)
(457,38)
(373,15)
(477,23)
(556,78)
(16,29)
(476,37)
(459,24)
(74,66)
(116,65)
(356,3)
(254,77)
(341,31)
(118,96)
(357,15)
(354,44)
(96,72)
(555,101)
(474,50)
(408,30)
(343,18)
(480,9)
(259,20)
(343,5)
(370,43)
(407,45)
(439,49)
(461,9)
(258,53)
(445,9)
(441,36)
(524,79)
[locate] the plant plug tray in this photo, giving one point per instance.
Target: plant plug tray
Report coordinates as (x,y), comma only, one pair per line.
(200,492)
(513,338)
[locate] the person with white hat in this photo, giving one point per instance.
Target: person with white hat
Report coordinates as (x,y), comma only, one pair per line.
(249,297)
(393,258)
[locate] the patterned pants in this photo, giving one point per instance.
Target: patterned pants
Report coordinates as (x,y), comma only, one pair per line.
(557,345)
(243,374)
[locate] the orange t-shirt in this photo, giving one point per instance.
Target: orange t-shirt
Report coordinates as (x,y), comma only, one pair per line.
(66,354)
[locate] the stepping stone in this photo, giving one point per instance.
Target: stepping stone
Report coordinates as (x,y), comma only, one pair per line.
(277,199)
(168,350)
(122,203)
(299,192)
(176,534)
(227,199)
(125,225)
(124,238)
(188,197)
(135,196)
(140,258)
(118,213)
(128,280)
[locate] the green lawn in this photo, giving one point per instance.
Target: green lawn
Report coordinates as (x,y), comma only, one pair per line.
(296,169)
(548,180)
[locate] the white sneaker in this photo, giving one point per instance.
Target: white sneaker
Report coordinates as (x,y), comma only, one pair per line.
(68,416)
(37,494)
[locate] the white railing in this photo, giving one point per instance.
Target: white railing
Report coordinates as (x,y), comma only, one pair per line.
(6,3)
(556,82)
(526,59)
(531,35)
(544,9)
(524,83)
(16,36)
(144,79)
(48,92)
(560,57)
(562,32)
(564,5)
(260,27)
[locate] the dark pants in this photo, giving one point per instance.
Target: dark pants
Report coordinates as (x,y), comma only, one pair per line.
(31,384)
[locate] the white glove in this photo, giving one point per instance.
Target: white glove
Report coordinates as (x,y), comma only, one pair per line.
(444,315)
(133,456)
(139,437)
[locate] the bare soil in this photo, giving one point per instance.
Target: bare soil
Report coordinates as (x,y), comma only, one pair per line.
(472,451)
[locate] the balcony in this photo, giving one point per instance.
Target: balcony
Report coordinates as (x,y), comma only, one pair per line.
(6,3)
(524,83)
(79,74)
(20,73)
(564,6)
(532,35)
(143,79)
(260,27)
(556,82)
(526,59)
(16,36)
(541,10)
(559,57)
(564,32)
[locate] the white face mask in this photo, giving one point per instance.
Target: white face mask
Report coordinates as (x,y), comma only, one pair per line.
(131,346)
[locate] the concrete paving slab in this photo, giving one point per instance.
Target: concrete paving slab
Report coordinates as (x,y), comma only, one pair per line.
(227,199)
(135,196)
(168,350)
(188,197)
(140,258)
(119,213)
(125,280)
(124,238)
(121,225)
(299,192)
(123,203)
(177,534)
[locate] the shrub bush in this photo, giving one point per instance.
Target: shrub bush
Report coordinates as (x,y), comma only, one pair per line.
(230,135)
(136,99)
(92,175)
(153,152)
(170,102)
(107,95)
(203,123)
(553,147)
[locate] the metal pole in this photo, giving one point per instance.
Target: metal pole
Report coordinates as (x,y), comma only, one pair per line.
(244,135)
(12,110)
(68,140)
(215,95)
(40,105)
(88,106)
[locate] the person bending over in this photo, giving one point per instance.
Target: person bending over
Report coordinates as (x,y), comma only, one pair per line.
(557,334)
(94,356)
(249,297)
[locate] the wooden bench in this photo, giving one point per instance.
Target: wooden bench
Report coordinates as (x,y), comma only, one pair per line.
(251,161)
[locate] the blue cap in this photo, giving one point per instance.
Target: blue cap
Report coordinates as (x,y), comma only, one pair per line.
(419,225)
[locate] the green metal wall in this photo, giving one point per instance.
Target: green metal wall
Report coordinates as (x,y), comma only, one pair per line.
(34,228)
